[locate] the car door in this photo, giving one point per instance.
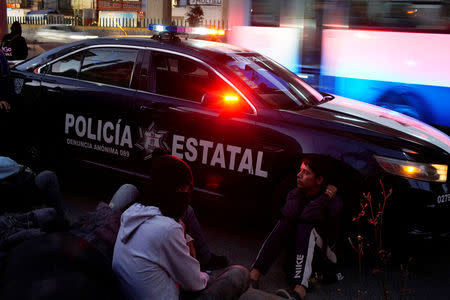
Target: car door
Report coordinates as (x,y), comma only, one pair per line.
(222,150)
(27,92)
(89,103)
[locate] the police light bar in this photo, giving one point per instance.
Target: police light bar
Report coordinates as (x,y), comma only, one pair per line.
(187,30)
(204,31)
(166,28)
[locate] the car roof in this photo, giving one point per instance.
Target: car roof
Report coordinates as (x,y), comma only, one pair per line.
(188,46)
(208,51)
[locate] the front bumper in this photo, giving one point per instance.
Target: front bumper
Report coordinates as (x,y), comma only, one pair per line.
(421,209)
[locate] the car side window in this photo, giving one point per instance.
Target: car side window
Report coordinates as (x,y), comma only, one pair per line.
(183,78)
(108,65)
(66,67)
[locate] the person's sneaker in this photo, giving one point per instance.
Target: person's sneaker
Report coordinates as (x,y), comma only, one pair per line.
(332,277)
(215,262)
(288,294)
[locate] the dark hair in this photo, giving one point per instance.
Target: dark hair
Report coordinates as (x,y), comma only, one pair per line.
(16,28)
(321,165)
(168,173)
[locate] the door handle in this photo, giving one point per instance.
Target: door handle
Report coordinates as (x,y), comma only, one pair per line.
(145,108)
(154,107)
(55,89)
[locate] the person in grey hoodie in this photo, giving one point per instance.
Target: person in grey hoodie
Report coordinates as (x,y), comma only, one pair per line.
(151,259)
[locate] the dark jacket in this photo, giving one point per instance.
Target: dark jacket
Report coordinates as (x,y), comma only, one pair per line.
(57,266)
(14,46)
(322,212)
(19,192)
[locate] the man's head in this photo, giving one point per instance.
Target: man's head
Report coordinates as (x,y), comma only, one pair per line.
(16,28)
(313,174)
(170,185)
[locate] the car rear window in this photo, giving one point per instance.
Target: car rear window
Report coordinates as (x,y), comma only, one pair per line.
(108,65)
(181,77)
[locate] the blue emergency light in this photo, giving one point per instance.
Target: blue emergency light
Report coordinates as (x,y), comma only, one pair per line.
(186,30)
(166,28)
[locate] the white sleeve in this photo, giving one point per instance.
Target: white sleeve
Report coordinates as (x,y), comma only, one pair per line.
(181,266)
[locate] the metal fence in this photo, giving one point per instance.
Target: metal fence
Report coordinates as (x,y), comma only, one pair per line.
(110,22)
(40,20)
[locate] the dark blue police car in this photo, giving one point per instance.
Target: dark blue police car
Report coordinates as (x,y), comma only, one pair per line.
(239,119)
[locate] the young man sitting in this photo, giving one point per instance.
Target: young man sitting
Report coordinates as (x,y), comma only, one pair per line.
(310,218)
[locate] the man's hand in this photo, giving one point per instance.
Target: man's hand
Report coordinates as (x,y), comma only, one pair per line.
(182,225)
(331,190)
(191,247)
(5,106)
(189,240)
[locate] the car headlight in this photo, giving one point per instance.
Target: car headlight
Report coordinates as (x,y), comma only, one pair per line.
(410,169)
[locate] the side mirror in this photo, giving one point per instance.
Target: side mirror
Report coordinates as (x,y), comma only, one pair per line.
(210,100)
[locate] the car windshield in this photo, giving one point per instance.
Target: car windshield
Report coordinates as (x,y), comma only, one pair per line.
(277,87)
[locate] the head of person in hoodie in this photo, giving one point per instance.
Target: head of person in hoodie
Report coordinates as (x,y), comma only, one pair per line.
(170,185)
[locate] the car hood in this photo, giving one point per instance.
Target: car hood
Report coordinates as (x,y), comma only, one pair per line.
(378,119)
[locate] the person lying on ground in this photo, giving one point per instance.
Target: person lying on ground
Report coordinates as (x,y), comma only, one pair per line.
(68,264)
(22,190)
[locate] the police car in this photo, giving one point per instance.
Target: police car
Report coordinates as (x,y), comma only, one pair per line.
(238,118)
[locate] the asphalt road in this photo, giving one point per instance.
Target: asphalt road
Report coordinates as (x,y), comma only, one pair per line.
(38,48)
(233,236)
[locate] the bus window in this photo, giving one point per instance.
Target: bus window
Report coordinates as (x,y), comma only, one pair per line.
(265,13)
(429,15)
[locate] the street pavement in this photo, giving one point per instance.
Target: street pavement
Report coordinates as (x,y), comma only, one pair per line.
(428,276)
(39,48)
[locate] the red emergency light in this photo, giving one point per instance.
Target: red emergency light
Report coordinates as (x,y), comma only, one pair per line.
(231,99)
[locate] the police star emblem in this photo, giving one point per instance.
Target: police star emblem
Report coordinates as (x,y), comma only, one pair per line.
(18,84)
(151,138)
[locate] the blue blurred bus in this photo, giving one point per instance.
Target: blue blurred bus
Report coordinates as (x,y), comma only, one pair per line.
(395,54)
